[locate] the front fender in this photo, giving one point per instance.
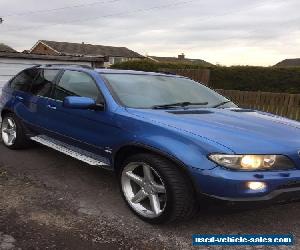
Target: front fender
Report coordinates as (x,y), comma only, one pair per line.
(189,149)
(187,152)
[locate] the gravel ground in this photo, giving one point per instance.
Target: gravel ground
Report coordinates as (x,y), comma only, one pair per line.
(51,201)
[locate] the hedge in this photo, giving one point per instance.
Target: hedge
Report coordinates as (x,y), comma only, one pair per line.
(147,65)
(270,79)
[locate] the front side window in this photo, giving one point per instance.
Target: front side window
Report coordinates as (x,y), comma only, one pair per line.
(43,84)
(75,83)
(148,91)
(24,80)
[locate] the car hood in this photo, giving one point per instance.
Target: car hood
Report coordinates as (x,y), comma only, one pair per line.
(241,130)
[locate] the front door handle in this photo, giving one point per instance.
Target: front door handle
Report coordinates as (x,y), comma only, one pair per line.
(51,106)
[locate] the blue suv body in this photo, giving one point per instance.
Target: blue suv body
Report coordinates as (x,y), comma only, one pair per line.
(169,139)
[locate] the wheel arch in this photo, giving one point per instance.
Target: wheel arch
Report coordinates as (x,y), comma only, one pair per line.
(5,111)
(127,150)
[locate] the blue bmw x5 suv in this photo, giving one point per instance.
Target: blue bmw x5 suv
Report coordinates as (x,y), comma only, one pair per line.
(169,139)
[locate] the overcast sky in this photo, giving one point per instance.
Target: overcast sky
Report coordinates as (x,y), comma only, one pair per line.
(231,32)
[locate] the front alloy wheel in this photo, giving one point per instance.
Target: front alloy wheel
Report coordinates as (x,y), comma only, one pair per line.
(144,189)
(156,190)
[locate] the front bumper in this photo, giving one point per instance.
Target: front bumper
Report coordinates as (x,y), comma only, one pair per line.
(228,185)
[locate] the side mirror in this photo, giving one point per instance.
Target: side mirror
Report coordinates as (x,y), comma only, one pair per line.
(76,102)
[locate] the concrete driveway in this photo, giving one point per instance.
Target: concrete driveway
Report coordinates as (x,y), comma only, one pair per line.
(51,201)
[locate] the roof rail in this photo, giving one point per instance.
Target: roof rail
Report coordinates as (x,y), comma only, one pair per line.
(166,72)
(36,66)
(70,65)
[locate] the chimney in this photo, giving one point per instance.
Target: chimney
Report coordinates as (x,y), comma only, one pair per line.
(181,57)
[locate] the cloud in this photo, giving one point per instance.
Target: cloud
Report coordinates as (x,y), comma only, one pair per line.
(255,32)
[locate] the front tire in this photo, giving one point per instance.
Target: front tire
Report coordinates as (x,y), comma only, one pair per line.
(156,190)
(13,133)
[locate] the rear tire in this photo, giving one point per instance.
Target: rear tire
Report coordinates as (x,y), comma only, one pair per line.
(13,132)
(167,197)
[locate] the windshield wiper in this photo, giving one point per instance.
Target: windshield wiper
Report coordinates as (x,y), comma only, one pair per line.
(220,104)
(178,104)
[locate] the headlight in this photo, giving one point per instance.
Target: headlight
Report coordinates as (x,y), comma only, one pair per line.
(253,162)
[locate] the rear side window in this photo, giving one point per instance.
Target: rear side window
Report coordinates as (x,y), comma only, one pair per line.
(43,84)
(24,80)
(75,83)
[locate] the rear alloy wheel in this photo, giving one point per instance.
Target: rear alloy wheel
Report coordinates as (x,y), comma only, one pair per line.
(12,132)
(9,131)
(156,190)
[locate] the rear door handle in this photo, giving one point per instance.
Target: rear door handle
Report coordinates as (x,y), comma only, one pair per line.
(20,98)
(51,106)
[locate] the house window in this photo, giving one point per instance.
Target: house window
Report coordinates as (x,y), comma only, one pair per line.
(111,60)
(118,59)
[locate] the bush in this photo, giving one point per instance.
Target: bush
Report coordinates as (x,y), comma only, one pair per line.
(269,79)
(147,65)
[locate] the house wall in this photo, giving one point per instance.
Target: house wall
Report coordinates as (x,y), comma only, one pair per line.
(9,67)
(43,50)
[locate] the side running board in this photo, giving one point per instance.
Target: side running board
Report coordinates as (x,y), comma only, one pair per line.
(77,153)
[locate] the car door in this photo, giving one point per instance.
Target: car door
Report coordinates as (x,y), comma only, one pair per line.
(41,90)
(88,129)
(20,86)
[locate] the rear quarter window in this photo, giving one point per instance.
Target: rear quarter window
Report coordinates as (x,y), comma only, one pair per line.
(23,80)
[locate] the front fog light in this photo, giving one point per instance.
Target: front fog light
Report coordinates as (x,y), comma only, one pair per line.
(256,185)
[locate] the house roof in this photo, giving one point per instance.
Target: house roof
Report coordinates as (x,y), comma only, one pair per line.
(66,48)
(179,60)
(54,58)
(5,48)
(289,63)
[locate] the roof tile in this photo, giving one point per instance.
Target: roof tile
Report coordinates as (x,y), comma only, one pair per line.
(5,48)
(66,48)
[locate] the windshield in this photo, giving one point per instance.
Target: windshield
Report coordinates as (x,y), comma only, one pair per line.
(149,91)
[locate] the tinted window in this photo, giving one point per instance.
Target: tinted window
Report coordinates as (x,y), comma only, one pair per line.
(24,80)
(44,82)
(74,83)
